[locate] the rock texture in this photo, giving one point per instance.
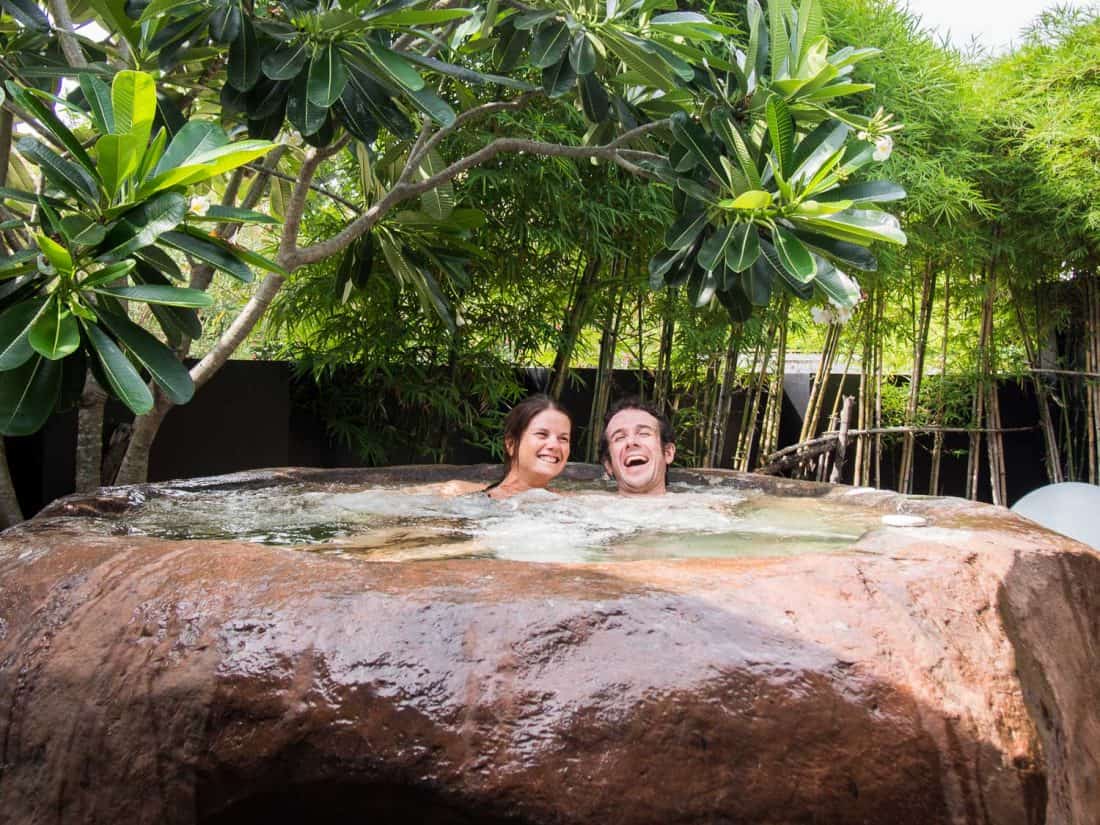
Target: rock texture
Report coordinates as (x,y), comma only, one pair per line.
(942,674)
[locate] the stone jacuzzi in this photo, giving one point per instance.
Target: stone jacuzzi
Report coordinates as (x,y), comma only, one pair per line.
(348,646)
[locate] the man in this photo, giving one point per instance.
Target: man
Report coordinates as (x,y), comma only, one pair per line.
(636,447)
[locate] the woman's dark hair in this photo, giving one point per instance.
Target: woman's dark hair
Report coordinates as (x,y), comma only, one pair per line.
(519,419)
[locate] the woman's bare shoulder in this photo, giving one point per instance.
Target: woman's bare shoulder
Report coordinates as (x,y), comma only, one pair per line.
(448,489)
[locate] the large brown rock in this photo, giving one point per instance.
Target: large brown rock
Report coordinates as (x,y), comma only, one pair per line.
(944,674)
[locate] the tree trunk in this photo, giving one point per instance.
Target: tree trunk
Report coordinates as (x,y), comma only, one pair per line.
(572,325)
(10,512)
(135,464)
(89,436)
(920,345)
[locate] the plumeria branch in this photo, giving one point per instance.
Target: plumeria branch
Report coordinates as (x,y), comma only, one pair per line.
(404,191)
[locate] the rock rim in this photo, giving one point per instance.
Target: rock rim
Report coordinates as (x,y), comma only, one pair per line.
(938,674)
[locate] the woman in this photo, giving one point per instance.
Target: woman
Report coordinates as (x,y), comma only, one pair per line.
(536,446)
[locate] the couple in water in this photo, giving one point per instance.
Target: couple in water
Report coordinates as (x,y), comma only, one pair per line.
(636,447)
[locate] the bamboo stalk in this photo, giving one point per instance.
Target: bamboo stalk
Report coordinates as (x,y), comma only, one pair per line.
(1051,458)
(752,408)
(1092,389)
(725,398)
(879,308)
(601,394)
(774,407)
(941,406)
(842,442)
(916,377)
(995,442)
(573,324)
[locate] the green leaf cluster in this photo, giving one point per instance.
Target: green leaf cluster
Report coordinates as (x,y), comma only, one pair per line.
(108,226)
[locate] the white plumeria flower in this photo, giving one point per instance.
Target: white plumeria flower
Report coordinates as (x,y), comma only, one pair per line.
(884,145)
(822,315)
(200,205)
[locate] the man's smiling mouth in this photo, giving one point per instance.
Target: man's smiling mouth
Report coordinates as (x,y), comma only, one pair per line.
(635,461)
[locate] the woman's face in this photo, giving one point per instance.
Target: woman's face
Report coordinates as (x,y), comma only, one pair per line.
(543,448)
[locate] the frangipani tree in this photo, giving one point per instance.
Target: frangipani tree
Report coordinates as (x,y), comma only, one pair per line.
(750,136)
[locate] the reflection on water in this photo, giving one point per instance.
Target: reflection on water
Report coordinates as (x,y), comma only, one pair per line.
(391,524)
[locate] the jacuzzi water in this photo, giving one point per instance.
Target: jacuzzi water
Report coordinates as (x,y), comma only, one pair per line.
(580,524)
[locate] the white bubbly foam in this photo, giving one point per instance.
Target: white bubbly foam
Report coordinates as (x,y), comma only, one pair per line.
(537,525)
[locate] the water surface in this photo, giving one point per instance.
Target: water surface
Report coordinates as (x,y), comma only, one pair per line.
(582,524)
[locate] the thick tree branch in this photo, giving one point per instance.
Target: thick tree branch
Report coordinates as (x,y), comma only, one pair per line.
(63,24)
(292,221)
(415,152)
(294,258)
(470,115)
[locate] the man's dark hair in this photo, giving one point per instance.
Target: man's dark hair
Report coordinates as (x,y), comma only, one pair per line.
(632,402)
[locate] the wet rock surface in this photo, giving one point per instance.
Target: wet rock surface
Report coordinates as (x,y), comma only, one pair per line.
(939,674)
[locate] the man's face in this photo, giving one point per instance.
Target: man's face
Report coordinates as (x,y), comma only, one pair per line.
(636,457)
